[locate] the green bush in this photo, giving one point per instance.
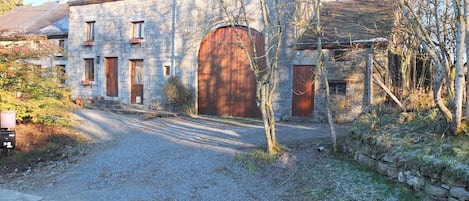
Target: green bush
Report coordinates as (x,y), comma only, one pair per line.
(178,95)
(34,92)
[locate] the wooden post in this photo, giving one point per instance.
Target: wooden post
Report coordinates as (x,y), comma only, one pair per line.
(368,84)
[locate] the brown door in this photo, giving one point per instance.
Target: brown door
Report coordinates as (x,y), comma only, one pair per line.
(112,87)
(136,78)
(226,84)
(303,91)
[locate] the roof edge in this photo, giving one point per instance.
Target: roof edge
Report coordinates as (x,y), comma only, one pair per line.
(377,42)
(87,2)
(57,36)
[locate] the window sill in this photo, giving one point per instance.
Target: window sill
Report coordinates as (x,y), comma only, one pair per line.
(88,43)
(86,82)
(136,40)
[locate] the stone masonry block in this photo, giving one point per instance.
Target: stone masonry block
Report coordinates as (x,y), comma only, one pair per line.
(436,190)
(460,193)
(389,157)
(416,182)
(365,160)
(383,168)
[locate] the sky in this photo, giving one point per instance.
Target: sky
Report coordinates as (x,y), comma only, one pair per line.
(35,2)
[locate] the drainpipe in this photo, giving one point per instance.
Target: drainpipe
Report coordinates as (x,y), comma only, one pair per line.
(173,38)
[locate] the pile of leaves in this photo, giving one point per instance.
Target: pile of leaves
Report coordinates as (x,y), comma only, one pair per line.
(420,138)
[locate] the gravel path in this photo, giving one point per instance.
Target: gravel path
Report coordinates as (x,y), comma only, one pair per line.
(177,158)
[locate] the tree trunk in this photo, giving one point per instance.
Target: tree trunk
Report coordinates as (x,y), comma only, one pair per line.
(459,78)
(368,85)
(268,118)
(265,74)
(466,17)
(321,68)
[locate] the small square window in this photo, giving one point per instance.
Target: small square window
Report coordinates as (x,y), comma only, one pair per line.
(138,30)
(166,70)
(339,88)
(89,69)
(90,31)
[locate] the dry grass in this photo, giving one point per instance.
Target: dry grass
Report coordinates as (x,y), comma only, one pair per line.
(37,143)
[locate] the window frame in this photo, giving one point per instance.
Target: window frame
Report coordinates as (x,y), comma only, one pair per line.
(138,30)
(90,31)
(61,74)
(89,74)
(166,70)
(62,44)
(338,88)
(133,64)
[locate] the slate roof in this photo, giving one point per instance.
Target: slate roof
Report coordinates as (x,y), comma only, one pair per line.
(347,22)
(50,18)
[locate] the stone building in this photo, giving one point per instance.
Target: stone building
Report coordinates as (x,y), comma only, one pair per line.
(125,51)
(354,39)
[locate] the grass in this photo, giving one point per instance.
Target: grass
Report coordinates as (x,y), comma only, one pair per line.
(321,176)
(38,143)
(257,158)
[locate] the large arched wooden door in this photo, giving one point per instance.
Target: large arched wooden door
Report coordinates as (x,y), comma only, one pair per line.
(226,83)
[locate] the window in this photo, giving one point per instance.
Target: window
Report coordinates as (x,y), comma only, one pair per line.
(341,55)
(338,88)
(89,69)
(138,29)
(90,31)
(137,66)
(62,45)
(61,74)
(166,70)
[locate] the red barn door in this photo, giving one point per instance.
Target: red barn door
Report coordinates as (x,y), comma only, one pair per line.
(226,84)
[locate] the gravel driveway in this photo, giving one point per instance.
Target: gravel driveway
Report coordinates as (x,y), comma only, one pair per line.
(176,158)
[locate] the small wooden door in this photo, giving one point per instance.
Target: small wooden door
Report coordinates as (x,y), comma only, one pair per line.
(112,86)
(303,91)
(136,78)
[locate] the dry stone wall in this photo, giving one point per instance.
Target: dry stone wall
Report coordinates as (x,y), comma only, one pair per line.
(434,184)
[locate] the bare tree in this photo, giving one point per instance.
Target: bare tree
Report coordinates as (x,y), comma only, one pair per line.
(262,63)
(322,71)
(441,35)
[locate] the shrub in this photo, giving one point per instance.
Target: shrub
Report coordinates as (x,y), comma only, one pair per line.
(34,92)
(178,95)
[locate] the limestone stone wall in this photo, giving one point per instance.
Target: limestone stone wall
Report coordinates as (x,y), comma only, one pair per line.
(351,71)
(173,33)
(434,185)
